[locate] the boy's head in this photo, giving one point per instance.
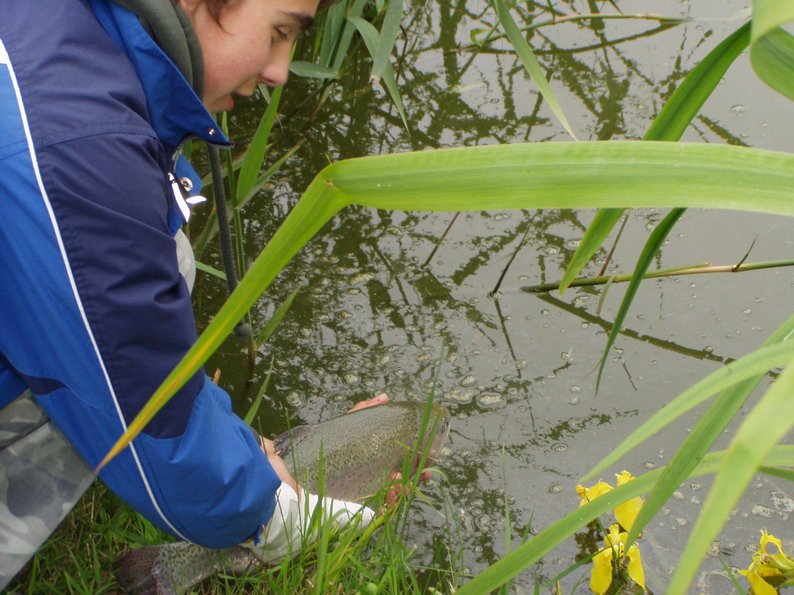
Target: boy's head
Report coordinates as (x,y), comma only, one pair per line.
(246,42)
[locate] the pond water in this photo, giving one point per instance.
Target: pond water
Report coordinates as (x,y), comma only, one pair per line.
(384,306)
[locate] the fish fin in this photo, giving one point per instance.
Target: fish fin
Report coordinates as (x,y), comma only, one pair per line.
(140,571)
(283,441)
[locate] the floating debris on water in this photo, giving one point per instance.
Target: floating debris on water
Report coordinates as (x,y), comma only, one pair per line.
(489,399)
(459,395)
(468,380)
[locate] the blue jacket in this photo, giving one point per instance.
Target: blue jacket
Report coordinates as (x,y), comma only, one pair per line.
(93,311)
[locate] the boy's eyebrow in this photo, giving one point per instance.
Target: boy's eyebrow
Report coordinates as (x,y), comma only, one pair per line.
(303,19)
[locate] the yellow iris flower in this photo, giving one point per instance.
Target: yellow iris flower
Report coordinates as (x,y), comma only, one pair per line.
(613,553)
(768,570)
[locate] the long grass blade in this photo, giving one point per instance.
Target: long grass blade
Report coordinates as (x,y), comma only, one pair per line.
(701,438)
(334,20)
(772,53)
(370,36)
(312,70)
(648,253)
(597,232)
(387,38)
(347,33)
(255,155)
(668,125)
(272,324)
(561,175)
(767,424)
(685,102)
(531,551)
(757,362)
(531,63)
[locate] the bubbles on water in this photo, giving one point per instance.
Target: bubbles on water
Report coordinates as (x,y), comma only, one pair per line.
(580,301)
(345,315)
(550,250)
(559,447)
(351,379)
(738,108)
(489,399)
(781,501)
(501,216)
(468,380)
(762,511)
(544,312)
(649,464)
(459,395)
(295,399)
(555,488)
(573,244)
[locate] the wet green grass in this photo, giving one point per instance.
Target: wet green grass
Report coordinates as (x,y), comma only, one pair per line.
(79,557)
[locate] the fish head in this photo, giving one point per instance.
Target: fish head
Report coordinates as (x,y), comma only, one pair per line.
(435,435)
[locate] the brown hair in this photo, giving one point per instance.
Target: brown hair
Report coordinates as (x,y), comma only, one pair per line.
(215,7)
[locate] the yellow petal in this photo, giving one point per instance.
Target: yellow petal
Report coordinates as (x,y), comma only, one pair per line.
(601,575)
(616,539)
(590,494)
(623,477)
(766,539)
(758,585)
(636,572)
(626,512)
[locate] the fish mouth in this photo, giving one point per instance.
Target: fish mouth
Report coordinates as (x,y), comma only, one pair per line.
(437,432)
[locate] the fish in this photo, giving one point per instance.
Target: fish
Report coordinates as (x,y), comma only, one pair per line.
(360,450)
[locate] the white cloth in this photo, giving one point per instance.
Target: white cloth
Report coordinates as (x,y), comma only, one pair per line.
(291,528)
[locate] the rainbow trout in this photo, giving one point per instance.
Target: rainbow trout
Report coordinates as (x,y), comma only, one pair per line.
(360,450)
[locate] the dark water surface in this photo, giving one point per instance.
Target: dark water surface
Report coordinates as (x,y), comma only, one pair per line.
(381,309)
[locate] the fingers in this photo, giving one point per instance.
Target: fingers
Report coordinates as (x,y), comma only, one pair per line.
(397,490)
(280,467)
(379,399)
(268,446)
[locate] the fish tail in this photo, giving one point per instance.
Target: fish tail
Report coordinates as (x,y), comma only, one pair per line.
(141,571)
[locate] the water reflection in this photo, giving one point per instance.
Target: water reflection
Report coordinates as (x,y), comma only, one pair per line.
(400,301)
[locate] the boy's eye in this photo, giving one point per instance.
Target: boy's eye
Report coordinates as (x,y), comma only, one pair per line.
(282,33)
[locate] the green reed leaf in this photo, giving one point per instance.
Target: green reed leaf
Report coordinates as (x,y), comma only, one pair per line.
(515,562)
(518,176)
(255,154)
(757,362)
(772,53)
(346,37)
(387,38)
(647,255)
(710,426)
(312,70)
(767,424)
(669,124)
(531,63)
(597,232)
(268,330)
(332,28)
(370,36)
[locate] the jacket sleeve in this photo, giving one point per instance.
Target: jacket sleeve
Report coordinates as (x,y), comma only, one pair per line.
(96,314)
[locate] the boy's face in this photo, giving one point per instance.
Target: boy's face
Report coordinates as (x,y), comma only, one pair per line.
(252,45)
